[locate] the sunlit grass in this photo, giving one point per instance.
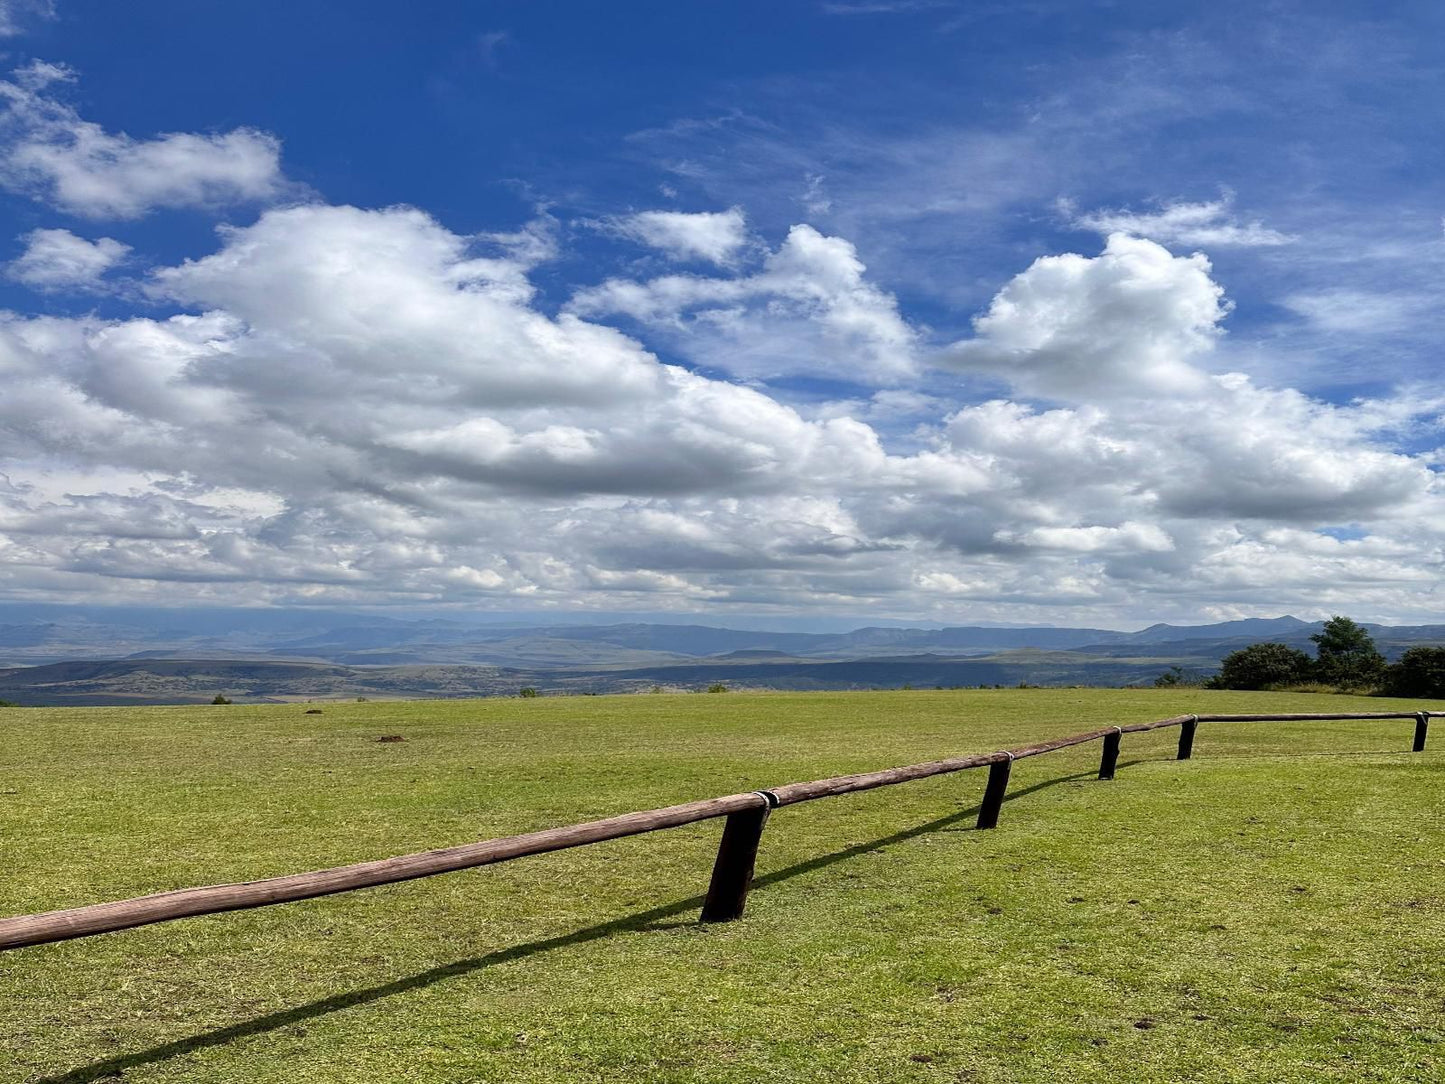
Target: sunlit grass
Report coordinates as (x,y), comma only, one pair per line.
(1272,910)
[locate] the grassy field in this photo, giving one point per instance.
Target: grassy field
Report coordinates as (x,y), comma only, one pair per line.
(1272,910)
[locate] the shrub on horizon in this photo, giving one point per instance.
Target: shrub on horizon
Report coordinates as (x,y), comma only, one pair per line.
(1420,674)
(1174,677)
(1261,666)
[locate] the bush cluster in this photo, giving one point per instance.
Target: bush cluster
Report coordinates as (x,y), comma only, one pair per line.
(1345,658)
(1419,673)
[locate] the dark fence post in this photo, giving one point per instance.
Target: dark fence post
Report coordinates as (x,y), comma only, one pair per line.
(998,773)
(737,854)
(1186,737)
(1422,724)
(1110,760)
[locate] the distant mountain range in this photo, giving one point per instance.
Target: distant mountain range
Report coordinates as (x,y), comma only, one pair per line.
(137,656)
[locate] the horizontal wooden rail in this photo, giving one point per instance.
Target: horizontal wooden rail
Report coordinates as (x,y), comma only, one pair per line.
(1173,720)
(188,902)
(732,872)
(848,784)
(1309,717)
(1058,743)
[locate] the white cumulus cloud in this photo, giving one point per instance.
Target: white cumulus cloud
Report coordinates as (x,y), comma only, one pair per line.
(809,308)
(1128,322)
(58,259)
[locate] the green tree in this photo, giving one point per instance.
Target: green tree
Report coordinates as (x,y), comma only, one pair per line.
(1259,666)
(1346,655)
(1419,673)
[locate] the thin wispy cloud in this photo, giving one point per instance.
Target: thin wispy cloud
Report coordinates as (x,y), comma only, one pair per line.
(17,15)
(885,7)
(1207,224)
(491,45)
(709,236)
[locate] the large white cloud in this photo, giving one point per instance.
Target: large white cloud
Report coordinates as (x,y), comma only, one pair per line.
(363,406)
(394,388)
(1128,322)
(48,151)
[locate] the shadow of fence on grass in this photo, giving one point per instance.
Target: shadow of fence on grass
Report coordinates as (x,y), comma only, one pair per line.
(653,919)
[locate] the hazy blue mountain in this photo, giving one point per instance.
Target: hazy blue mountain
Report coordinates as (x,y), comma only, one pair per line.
(973,636)
(1254,629)
(97,655)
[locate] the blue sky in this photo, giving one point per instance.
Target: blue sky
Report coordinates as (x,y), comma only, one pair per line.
(1057,312)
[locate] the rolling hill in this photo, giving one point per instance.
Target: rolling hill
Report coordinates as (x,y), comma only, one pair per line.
(130,657)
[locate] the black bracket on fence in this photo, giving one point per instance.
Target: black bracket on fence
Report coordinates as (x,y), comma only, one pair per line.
(737,855)
(1422,725)
(998,773)
(1186,737)
(1110,760)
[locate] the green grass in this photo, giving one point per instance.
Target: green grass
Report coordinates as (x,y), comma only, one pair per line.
(1272,910)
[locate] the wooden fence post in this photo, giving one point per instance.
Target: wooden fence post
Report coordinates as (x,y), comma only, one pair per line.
(998,773)
(1110,760)
(1186,737)
(1422,724)
(737,854)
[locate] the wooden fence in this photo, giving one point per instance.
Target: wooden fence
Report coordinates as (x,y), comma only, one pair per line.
(732,874)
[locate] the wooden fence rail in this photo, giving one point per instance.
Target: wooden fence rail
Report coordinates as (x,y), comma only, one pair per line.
(746,814)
